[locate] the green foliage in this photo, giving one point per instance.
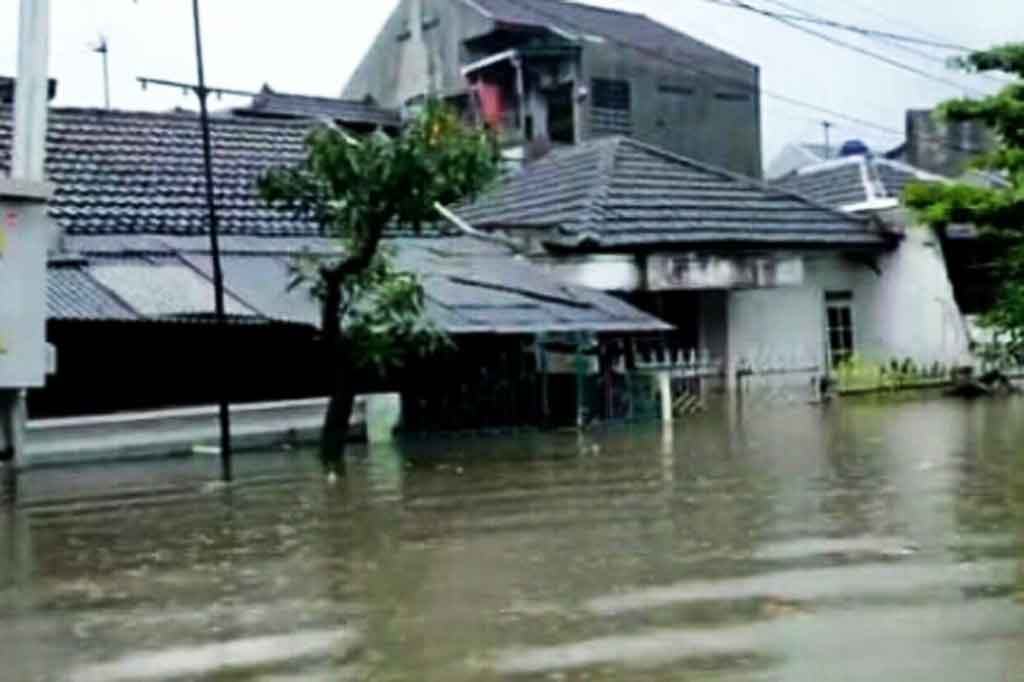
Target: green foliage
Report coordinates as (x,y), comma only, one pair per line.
(356,187)
(998,211)
(858,373)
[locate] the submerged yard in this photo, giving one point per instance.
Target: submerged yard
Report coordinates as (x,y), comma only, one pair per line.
(864,541)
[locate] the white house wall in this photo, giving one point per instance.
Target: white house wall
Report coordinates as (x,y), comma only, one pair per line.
(906,310)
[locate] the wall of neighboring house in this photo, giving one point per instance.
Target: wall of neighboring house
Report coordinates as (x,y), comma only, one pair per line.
(715,119)
(903,310)
(419,50)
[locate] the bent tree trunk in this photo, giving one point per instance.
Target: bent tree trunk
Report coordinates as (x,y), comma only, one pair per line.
(341,398)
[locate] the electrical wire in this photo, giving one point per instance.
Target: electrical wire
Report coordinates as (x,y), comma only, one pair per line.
(856,48)
(805,17)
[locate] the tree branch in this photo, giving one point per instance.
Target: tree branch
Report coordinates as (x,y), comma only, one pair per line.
(471,231)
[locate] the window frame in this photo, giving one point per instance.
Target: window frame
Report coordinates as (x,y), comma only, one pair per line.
(840,301)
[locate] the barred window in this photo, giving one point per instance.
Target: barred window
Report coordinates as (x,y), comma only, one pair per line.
(610,112)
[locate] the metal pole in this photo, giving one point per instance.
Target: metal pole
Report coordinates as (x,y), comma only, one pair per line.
(827,125)
(218,275)
(105,51)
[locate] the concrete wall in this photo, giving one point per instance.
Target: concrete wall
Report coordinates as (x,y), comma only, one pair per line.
(681,110)
(690,119)
(429,61)
(905,310)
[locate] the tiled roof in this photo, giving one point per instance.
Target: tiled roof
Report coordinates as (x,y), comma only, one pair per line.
(854,180)
(72,294)
(142,173)
(627,28)
(471,286)
(271,103)
(616,192)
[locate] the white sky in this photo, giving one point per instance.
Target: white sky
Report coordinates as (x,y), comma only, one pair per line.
(311,46)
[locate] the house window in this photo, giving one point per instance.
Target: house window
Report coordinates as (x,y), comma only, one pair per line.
(732,97)
(680,90)
(611,110)
(611,94)
(839,312)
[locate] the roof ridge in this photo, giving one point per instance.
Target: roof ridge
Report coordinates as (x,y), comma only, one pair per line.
(606,10)
(178,116)
(608,150)
(736,177)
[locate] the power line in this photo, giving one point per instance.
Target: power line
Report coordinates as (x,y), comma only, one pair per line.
(889,18)
(879,37)
(855,48)
(753,89)
(852,28)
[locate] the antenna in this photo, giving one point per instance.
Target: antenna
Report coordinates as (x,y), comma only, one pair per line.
(102,47)
(827,127)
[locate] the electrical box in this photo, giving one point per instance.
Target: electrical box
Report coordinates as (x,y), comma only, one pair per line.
(25,235)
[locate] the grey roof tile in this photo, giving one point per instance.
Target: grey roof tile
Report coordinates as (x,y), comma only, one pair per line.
(854,180)
(142,173)
(616,192)
(626,28)
(271,103)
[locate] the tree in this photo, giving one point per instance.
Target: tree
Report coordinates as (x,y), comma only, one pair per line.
(997,211)
(356,188)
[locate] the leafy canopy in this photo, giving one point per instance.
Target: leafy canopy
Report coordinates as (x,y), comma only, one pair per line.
(999,210)
(358,187)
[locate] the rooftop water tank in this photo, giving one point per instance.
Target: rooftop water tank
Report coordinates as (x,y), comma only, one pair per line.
(853,148)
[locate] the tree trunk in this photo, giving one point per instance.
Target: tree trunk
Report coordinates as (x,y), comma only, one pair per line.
(339,415)
(342,394)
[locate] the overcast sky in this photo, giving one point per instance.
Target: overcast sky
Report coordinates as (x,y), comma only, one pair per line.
(311,46)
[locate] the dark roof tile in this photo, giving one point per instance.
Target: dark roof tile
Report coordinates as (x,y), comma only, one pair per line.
(625,28)
(271,103)
(617,192)
(142,173)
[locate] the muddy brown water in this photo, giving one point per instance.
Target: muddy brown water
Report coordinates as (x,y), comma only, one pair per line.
(872,541)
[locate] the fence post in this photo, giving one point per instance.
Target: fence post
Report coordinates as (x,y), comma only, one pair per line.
(665,392)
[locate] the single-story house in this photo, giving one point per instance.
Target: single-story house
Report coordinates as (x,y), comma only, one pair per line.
(130,297)
(760,275)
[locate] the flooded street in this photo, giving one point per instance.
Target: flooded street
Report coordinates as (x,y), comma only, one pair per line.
(872,541)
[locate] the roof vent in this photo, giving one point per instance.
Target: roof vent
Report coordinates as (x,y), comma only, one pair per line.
(853,148)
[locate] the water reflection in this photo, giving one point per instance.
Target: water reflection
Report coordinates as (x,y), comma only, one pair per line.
(875,540)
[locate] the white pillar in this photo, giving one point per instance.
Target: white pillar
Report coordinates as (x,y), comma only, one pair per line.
(665,391)
(28,158)
(31,91)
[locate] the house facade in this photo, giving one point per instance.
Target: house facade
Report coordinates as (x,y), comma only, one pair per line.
(546,73)
(921,304)
(768,280)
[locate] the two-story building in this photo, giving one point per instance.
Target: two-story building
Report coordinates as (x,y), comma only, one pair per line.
(547,73)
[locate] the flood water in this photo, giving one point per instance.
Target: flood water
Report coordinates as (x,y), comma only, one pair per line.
(871,541)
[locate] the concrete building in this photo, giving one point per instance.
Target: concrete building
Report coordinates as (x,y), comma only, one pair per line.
(548,72)
(769,280)
(942,147)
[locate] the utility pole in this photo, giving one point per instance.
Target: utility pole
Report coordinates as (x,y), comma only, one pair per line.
(103,48)
(203,93)
(827,126)
(224,408)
